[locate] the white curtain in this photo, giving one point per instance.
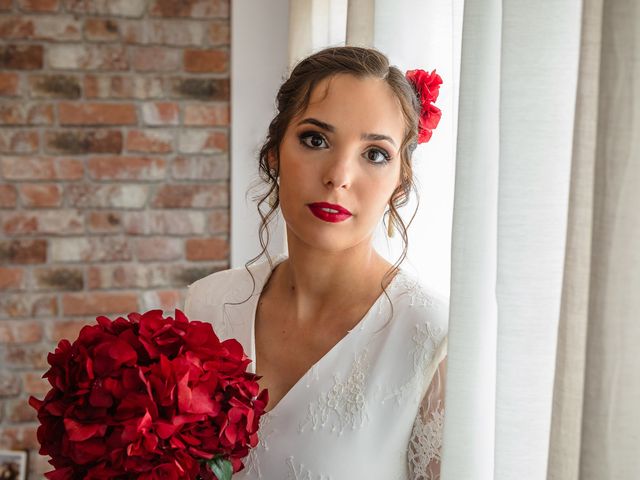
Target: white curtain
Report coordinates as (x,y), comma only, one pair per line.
(547,162)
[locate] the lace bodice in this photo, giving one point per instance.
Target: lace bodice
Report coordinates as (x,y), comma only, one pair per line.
(372,407)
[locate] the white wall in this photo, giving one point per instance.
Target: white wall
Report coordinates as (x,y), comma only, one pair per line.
(426,34)
(259,59)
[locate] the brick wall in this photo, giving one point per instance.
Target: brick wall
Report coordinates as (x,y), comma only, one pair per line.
(114,169)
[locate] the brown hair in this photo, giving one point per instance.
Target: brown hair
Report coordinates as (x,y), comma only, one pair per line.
(293,98)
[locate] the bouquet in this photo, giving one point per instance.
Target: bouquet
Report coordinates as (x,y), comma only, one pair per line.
(148,397)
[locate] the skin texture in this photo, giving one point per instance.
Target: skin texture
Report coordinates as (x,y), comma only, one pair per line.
(333,274)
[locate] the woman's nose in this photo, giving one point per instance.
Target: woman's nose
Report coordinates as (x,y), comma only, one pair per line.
(340,170)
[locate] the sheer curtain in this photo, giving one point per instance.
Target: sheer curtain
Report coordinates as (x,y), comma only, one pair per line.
(544,248)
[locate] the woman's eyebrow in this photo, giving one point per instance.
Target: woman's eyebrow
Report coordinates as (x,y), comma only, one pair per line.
(332,129)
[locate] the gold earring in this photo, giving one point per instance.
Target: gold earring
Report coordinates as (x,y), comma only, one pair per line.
(390,229)
(273,197)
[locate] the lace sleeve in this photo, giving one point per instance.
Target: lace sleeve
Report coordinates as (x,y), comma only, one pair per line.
(425,444)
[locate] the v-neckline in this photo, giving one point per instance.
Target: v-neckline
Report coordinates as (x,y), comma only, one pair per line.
(265,278)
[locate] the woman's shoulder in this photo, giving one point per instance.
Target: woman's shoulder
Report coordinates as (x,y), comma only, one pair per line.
(421,307)
(230,285)
(218,287)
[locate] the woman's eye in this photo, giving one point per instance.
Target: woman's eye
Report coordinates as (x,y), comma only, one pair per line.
(381,159)
(312,140)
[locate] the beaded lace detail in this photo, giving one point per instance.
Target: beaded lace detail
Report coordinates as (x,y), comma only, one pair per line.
(343,405)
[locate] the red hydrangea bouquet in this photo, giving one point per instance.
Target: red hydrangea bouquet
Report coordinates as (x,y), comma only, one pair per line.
(148,397)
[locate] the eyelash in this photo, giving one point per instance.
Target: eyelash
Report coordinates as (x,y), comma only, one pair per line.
(384,153)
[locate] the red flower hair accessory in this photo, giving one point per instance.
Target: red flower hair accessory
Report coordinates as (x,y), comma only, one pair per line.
(427,88)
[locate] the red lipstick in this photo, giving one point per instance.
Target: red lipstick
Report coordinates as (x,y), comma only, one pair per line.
(340,213)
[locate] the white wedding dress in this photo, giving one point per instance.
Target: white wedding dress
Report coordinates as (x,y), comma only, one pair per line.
(371,408)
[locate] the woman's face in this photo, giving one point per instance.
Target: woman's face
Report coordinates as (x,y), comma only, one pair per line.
(343,149)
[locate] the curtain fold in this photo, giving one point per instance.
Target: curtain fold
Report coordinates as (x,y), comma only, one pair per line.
(596,429)
(517,85)
(566,425)
(468,440)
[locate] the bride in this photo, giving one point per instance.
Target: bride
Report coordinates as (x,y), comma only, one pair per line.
(351,348)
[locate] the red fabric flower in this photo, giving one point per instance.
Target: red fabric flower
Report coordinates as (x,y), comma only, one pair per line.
(147,397)
(427,87)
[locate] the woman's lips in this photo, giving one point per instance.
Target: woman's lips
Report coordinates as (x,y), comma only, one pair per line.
(328,216)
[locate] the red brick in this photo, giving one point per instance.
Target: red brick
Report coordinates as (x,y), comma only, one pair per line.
(212,167)
(54,86)
(23,251)
(164,222)
(79,142)
(105,222)
(26,114)
(16,27)
(106,196)
(39,195)
(158,248)
(9,84)
(190,8)
(41,27)
(117,86)
(19,141)
(212,115)
(66,329)
(34,384)
(97,114)
(101,29)
(216,248)
(39,5)
(160,113)
(21,57)
(11,278)
(128,8)
(109,87)
(202,141)
(58,278)
(41,168)
(219,221)
(156,59)
(18,410)
(9,384)
(19,437)
(126,168)
(150,141)
(219,33)
(8,196)
(206,61)
(211,89)
(26,356)
(197,196)
(20,331)
(17,305)
(89,249)
(49,222)
(97,303)
(176,33)
(117,276)
(87,57)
